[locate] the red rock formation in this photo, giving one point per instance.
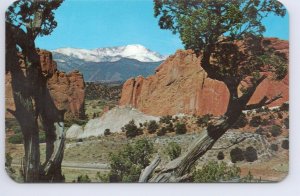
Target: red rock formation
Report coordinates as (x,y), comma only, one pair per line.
(66,90)
(180,85)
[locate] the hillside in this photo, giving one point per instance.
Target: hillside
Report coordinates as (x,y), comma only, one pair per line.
(103,91)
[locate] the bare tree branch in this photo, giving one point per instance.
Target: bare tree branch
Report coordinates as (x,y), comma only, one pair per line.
(244,99)
(56,157)
(177,170)
(149,169)
(237,141)
(18,34)
(12,112)
(263,102)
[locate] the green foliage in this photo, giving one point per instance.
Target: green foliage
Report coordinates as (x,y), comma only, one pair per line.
(8,160)
(42,136)
(241,122)
(145,124)
(216,172)
(131,130)
(83,179)
(286,122)
(279,115)
(18,138)
(162,131)
(173,150)
(12,124)
(166,119)
(285,144)
(196,21)
(202,121)
(127,164)
(170,127)
(265,122)
(107,132)
(180,128)
(25,14)
(102,177)
(248,178)
(255,121)
(260,131)
(211,28)
(80,122)
(250,154)
(274,147)
(220,156)
(152,126)
(272,117)
(236,155)
(276,130)
(266,109)
(284,107)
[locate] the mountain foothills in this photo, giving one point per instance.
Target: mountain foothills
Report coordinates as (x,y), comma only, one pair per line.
(180,85)
(109,64)
(99,114)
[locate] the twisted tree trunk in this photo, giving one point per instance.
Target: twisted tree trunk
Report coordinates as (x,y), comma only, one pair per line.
(54,152)
(53,123)
(178,170)
(33,101)
(25,101)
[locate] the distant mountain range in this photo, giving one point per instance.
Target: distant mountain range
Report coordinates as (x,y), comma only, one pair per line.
(109,64)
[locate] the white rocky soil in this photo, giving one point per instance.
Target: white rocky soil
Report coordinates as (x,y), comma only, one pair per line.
(113,120)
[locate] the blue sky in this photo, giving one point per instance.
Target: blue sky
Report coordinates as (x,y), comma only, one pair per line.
(104,23)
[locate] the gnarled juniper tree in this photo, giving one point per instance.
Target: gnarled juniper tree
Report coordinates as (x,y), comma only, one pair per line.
(228,38)
(25,21)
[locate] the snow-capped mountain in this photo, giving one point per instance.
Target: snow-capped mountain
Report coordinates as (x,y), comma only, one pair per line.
(112,54)
(109,64)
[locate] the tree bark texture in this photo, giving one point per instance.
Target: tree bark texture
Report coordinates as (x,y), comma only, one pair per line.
(178,170)
(32,100)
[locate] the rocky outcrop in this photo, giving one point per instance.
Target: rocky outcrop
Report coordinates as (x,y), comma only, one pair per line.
(74,132)
(180,85)
(113,120)
(66,90)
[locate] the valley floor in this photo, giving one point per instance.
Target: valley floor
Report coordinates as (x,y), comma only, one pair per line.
(91,155)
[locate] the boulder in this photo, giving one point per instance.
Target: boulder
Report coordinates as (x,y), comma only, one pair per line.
(180,85)
(74,132)
(114,120)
